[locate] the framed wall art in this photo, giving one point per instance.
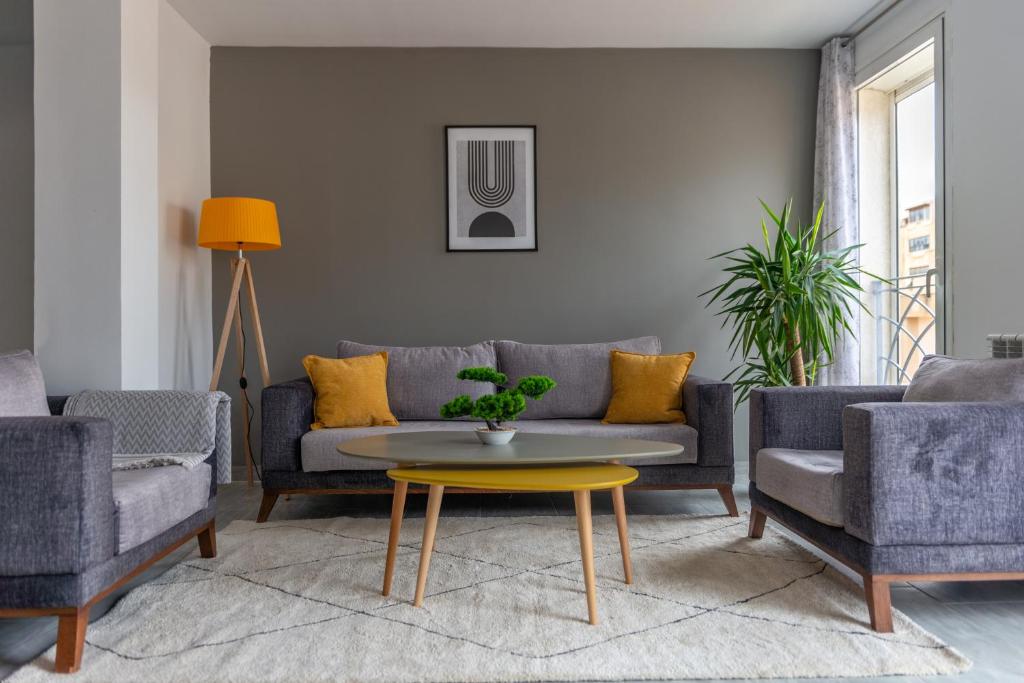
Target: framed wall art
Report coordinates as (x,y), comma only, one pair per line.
(491,188)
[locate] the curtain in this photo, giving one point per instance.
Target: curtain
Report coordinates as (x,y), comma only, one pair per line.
(835,182)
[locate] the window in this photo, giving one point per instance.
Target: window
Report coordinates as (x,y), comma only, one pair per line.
(918,214)
(919,244)
(899,106)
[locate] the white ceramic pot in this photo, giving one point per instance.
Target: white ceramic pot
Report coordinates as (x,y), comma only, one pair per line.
(499,438)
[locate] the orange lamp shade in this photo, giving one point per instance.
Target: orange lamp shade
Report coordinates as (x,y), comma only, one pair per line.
(232,223)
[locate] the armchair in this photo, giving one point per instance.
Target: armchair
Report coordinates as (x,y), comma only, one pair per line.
(74,529)
(927,491)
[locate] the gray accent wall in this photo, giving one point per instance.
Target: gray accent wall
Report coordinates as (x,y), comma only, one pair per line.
(16,175)
(648,162)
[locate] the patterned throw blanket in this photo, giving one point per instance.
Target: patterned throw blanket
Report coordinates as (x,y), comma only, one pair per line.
(157,428)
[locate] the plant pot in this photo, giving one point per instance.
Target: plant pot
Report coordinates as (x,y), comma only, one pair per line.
(495,438)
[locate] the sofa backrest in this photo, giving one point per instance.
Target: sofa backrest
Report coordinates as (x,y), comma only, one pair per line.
(582,373)
(422,378)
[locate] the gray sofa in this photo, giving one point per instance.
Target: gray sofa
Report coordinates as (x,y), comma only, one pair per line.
(421,379)
(73,529)
(922,489)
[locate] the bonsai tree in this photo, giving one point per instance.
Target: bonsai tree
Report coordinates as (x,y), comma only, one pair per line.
(494,409)
(789,303)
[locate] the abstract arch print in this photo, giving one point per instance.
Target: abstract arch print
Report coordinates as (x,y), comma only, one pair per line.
(491,193)
(491,183)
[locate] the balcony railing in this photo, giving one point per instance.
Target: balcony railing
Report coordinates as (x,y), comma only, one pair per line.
(904,311)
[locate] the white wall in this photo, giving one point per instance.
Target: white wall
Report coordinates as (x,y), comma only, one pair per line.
(122,295)
(186,338)
(77,52)
(984,123)
(140,292)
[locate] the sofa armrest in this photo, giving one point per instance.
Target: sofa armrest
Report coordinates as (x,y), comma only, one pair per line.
(287,412)
(809,418)
(707,404)
(934,473)
(57,502)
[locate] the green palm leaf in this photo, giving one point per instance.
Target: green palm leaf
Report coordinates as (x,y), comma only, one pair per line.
(788,303)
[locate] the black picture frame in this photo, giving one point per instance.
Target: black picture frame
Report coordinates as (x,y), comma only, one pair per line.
(450,189)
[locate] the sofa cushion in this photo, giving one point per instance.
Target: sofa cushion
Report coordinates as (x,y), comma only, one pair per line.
(808,481)
(941,378)
(422,378)
(320,454)
(582,371)
(150,501)
(22,392)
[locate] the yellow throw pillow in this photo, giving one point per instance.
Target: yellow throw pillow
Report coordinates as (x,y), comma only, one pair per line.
(647,389)
(350,392)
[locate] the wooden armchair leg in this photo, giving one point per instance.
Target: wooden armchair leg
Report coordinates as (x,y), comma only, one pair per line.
(266,506)
(757,520)
(725,491)
(208,540)
(71,640)
(879,599)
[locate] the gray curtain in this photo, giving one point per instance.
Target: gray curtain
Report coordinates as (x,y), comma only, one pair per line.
(835,180)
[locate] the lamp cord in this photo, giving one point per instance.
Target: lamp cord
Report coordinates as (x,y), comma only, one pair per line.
(243,384)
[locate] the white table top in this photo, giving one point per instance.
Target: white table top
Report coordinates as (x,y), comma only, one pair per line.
(463,448)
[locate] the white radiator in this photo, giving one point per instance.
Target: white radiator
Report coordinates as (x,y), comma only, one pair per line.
(1006,345)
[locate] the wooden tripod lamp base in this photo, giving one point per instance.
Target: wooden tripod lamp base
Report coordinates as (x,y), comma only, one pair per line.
(241,269)
(240,223)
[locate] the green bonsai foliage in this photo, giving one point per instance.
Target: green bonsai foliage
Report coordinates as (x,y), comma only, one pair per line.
(494,409)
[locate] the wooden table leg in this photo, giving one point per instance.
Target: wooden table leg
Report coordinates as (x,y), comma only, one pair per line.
(619,505)
(427,548)
(585,526)
(397,512)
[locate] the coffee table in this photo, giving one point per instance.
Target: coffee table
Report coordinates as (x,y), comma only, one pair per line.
(531,462)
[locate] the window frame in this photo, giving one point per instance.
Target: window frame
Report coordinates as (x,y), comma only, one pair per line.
(930,35)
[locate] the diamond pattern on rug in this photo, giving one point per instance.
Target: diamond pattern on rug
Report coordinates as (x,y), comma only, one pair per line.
(300,601)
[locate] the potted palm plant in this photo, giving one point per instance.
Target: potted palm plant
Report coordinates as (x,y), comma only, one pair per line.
(789,303)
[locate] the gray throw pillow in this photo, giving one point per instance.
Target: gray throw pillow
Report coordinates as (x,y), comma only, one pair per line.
(941,378)
(582,372)
(422,378)
(22,392)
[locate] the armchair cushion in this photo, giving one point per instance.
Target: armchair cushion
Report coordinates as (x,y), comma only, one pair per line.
(22,392)
(941,378)
(805,418)
(148,502)
(934,473)
(808,481)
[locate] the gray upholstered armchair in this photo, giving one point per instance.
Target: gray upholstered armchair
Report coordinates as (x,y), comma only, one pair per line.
(86,502)
(897,491)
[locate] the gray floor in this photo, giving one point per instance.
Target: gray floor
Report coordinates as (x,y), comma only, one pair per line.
(985,621)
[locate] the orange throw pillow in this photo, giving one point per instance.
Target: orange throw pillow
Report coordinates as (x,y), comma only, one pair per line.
(350,392)
(647,389)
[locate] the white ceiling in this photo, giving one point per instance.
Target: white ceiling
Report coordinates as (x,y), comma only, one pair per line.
(523,23)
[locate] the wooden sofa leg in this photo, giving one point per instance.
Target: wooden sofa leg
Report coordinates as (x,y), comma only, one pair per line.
(208,540)
(725,491)
(71,640)
(757,520)
(879,599)
(266,506)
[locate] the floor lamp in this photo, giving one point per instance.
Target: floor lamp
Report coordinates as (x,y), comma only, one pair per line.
(240,224)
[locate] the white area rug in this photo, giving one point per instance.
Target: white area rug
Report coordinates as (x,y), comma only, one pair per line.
(300,601)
